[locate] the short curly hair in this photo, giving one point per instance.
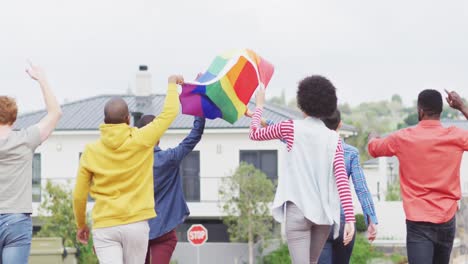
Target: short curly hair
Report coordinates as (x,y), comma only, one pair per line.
(430,101)
(316,96)
(8,110)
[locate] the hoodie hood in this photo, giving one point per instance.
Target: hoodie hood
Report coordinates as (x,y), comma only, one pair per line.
(114,135)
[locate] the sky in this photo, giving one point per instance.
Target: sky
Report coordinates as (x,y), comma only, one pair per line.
(369,49)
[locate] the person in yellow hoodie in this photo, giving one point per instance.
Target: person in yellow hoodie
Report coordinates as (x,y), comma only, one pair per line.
(117,171)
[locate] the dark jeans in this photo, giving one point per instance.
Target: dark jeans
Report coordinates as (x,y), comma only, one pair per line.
(334,251)
(160,249)
(15,238)
(429,243)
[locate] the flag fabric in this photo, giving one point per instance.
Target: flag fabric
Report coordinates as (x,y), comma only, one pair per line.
(224,90)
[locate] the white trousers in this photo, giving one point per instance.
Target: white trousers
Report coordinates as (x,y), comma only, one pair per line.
(123,244)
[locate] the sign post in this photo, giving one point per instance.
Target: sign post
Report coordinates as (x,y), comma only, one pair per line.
(197,235)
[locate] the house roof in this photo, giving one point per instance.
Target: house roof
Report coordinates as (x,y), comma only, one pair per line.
(463,124)
(88,114)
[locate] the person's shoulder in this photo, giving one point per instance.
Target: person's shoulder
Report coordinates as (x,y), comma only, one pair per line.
(93,146)
(457,130)
(22,134)
(350,149)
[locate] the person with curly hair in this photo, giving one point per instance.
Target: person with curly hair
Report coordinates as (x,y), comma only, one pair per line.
(314,179)
(16,158)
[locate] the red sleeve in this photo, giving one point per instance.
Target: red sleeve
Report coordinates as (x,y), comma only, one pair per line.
(342,182)
(283,131)
(383,147)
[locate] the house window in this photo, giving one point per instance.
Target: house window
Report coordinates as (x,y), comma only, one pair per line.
(36,178)
(190,172)
(264,160)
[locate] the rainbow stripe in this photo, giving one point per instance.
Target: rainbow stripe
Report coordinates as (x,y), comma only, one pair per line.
(224,90)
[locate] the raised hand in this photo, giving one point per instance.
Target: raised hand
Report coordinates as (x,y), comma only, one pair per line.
(454,100)
(177,79)
(35,72)
(260,99)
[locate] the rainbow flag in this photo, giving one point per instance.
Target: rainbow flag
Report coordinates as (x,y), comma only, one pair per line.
(224,90)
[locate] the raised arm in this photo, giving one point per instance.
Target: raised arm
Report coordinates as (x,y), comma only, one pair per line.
(150,134)
(189,143)
(383,147)
(456,102)
(283,131)
(54,112)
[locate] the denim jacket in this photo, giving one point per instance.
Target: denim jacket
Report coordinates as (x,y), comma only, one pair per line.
(170,205)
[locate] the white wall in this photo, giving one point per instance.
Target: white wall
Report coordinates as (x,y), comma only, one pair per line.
(219,157)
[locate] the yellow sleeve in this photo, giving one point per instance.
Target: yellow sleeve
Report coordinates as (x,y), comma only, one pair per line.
(150,134)
(80,194)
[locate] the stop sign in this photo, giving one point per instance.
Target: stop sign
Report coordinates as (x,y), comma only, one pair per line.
(197,235)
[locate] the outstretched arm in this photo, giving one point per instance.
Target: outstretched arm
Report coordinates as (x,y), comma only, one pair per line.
(189,143)
(54,112)
(150,134)
(382,147)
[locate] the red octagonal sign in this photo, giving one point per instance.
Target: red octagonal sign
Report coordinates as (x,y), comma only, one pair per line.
(197,235)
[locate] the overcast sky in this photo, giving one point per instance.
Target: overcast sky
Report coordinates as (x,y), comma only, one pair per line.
(369,49)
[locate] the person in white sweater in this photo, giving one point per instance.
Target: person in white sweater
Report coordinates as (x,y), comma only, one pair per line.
(314,180)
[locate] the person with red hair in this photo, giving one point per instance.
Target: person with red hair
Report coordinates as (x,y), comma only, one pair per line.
(16,157)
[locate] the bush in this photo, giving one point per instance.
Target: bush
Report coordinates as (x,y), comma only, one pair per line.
(363,251)
(393,193)
(58,219)
(279,256)
(360,223)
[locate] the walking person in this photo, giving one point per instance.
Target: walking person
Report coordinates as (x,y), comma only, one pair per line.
(16,157)
(171,207)
(334,251)
(314,180)
(117,171)
(430,157)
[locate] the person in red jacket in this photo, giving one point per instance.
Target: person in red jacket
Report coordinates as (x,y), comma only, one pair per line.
(430,156)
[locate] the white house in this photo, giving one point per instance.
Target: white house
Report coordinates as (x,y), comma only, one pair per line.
(219,153)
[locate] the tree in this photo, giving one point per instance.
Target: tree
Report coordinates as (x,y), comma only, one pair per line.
(397,98)
(278,100)
(56,214)
(246,198)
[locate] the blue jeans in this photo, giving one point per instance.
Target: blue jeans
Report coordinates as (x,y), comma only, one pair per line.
(334,251)
(429,243)
(15,238)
